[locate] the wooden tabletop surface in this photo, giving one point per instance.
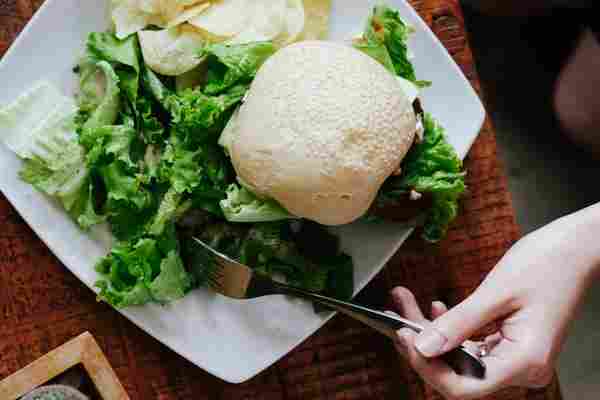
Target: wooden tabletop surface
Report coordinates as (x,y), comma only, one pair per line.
(42,305)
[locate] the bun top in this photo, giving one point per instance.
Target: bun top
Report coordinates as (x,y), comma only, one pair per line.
(323,126)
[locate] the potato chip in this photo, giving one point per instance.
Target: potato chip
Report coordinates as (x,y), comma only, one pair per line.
(225,18)
(131,16)
(205,35)
(128,19)
(317,19)
(187,14)
(172,51)
(189,3)
(295,19)
(170,9)
(267,22)
(149,6)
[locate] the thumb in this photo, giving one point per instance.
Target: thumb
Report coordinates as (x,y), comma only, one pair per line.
(451,329)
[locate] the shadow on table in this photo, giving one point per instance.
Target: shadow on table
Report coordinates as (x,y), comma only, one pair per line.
(518,60)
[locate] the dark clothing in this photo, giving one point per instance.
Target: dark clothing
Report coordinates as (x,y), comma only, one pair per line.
(594,21)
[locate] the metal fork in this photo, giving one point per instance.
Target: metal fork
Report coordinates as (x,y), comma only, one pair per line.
(235,280)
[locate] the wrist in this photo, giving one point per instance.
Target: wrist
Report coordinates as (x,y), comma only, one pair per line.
(583,229)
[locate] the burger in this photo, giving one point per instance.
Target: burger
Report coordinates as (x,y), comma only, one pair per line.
(331,135)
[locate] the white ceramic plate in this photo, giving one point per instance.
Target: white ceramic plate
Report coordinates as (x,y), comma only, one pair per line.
(230,339)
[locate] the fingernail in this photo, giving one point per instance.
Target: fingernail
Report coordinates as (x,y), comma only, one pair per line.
(430,342)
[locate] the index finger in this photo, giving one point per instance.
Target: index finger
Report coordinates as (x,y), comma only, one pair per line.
(451,385)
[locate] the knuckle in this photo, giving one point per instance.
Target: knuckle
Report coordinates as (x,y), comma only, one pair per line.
(457,393)
(404,295)
(539,370)
(543,379)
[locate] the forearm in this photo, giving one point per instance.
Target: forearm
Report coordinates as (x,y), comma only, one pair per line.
(577,96)
(581,237)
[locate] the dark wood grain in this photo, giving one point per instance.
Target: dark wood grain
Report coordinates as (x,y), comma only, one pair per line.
(42,305)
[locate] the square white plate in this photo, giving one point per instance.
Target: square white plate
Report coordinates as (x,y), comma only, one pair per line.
(230,339)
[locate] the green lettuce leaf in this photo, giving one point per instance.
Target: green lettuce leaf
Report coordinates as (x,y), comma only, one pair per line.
(39,127)
(152,84)
(124,55)
(172,206)
(431,168)
(38,114)
(60,172)
(142,271)
(273,250)
(99,96)
(150,126)
(82,206)
(197,117)
(340,282)
(229,65)
(122,186)
(127,273)
(385,27)
(377,51)
(180,167)
(136,295)
(108,143)
(127,222)
(243,206)
(173,282)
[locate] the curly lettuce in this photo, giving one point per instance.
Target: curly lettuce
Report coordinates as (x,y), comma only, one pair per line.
(141,272)
(241,205)
(143,155)
(385,39)
(229,65)
(122,54)
(99,98)
(431,168)
(61,172)
(309,257)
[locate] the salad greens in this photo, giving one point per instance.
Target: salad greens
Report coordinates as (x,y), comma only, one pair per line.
(160,159)
(241,205)
(143,157)
(385,39)
(147,154)
(432,168)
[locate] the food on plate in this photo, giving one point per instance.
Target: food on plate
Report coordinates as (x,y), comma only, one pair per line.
(221,21)
(195,120)
(171,52)
(322,139)
(431,179)
(346,136)
(225,19)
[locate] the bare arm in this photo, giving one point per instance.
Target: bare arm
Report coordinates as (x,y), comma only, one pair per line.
(534,293)
(577,94)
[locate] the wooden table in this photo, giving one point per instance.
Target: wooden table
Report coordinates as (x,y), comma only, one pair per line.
(42,305)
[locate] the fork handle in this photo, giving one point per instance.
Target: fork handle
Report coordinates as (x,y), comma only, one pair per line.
(383,322)
(461,360)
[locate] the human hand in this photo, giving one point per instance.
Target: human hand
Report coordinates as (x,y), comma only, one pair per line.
(533,292)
